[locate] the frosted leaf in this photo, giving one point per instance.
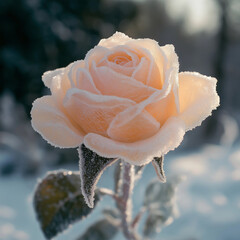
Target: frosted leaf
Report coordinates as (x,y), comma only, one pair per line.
(112,215)
(158,192)
(158,166)
(58,202)
(153,224)
(160,203)
(91,168)
(101,230)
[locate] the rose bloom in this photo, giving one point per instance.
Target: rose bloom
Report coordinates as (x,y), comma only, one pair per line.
(125,100)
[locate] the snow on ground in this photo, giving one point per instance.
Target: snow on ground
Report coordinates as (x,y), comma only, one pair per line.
(208,200)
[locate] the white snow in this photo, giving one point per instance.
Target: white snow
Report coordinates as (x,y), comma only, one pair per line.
(208,201)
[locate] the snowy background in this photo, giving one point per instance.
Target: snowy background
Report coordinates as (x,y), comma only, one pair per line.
(208,200)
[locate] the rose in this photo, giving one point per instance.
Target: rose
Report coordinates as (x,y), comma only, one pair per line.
(126,99)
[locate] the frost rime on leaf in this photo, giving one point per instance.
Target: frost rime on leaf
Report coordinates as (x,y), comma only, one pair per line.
(91,168)
(101,230)
(58,202)
(158,166)
(160,202)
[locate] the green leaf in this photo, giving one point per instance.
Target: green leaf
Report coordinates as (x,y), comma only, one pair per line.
(157,163)
(91,168)
(112,215)
(153,224)
(158,192)
(160,201)
(101,230)
(58,202)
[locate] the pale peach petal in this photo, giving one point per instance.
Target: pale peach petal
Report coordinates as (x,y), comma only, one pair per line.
(116,39)
(141,72)
(124,51)
(152,51)
(85,82)
(140,127)
(64,78)
(110,82)
(93,113)
(49,75)
(166,101)
(74,76)
(80,77)
(59,87)
(145,48)
(171,62)
(170,56)
(141,152)
(53,125)
(62,82)
(125,70)
(95,55)
(198,98)
(163,109)
(161,104)
(153,102)
(118,53)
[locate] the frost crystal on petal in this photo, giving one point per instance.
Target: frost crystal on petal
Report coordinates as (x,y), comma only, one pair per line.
(158,166)
(91,168)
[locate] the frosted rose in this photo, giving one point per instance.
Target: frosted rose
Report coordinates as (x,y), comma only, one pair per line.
(126,99)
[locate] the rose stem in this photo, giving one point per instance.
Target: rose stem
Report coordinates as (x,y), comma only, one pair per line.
(124,202)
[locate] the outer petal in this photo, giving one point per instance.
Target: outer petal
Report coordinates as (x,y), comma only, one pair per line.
(172,63)
(94,112)
(53,125)
(141,152)
(140,127)
(198,98)
(74,75)
(116,39)
(49,75)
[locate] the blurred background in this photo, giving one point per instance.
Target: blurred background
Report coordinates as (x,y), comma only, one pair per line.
(41,35)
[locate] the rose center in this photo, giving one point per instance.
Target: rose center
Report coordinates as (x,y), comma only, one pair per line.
(120,58)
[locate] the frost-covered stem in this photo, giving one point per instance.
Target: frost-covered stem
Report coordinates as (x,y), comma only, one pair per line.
(124,202)
(106,191)
(138,217)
